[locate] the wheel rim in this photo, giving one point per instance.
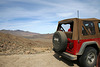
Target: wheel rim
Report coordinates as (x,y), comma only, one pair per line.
(90,58)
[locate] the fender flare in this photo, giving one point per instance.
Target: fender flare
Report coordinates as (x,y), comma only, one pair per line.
(86,44)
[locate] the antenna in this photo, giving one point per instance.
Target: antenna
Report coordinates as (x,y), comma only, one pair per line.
(78,24)
(77,13)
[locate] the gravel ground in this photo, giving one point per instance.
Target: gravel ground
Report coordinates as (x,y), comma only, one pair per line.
(35,60)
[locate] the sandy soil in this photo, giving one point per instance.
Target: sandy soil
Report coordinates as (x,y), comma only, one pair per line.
(35,60)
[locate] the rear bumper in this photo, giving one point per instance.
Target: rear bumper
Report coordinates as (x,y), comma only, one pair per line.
(67,55)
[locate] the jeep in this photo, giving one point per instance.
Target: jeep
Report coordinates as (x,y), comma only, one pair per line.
(78,39)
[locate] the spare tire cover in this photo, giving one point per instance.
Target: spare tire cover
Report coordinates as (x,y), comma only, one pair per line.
(59,41)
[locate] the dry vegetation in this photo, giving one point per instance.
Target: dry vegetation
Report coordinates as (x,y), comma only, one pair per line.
(10,44)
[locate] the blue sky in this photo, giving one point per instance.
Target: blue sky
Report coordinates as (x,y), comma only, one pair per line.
(42,16)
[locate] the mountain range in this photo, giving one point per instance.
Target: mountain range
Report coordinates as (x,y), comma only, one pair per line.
(19,32)
(27,34)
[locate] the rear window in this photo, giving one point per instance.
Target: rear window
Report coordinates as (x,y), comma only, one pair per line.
(66,27)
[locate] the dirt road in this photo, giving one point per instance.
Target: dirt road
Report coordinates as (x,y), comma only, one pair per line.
(35,60)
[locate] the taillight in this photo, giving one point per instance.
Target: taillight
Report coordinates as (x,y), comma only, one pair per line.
(70,43)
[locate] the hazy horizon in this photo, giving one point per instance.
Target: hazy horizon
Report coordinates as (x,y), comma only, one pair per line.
(23,31)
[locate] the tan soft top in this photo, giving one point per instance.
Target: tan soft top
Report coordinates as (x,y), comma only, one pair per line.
(70,20)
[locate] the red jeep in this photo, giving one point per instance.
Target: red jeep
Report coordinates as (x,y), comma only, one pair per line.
(78,39)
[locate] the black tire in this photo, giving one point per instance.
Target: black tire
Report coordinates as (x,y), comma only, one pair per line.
(59,41)
(98,60)
(89,57)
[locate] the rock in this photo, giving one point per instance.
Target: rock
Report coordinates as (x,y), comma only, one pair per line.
(27,52)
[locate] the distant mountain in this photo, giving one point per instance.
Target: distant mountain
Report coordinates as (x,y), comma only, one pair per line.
(19,32)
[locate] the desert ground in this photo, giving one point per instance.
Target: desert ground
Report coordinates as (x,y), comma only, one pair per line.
(14,44)
(45,59)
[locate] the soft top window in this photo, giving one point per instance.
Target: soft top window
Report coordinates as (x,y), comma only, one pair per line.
(89,25)
(99,26)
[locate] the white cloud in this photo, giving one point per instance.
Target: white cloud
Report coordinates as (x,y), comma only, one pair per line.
(63,9)
(64,14)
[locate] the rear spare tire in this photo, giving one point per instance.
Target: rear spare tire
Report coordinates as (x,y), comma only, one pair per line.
(59,41)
